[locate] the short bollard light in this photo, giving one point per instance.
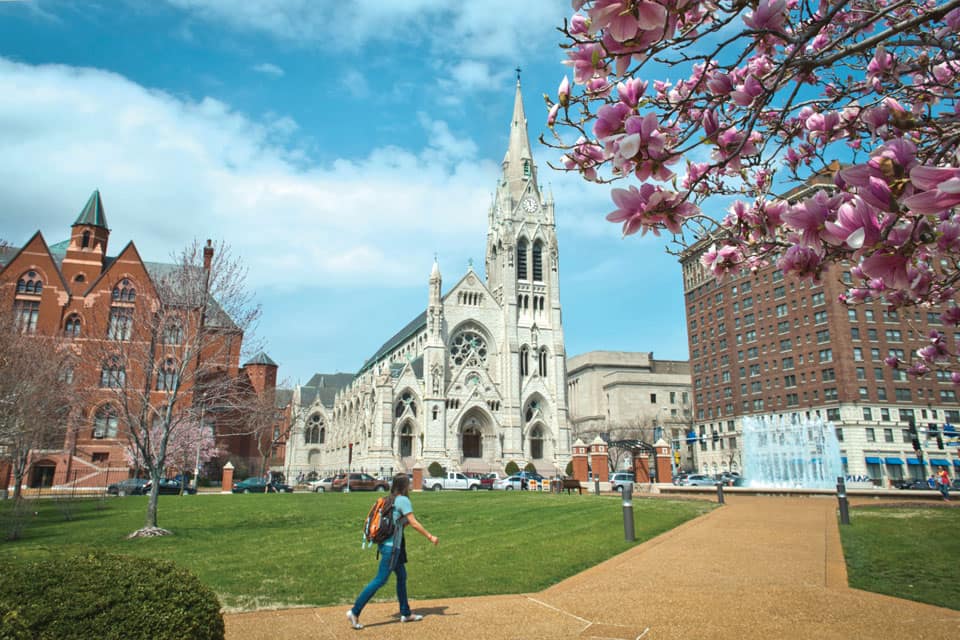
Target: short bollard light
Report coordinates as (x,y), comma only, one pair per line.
(720,493)
(627,492)
(842,500)
(596,485)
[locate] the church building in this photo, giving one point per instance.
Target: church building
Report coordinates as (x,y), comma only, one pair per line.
(477,379)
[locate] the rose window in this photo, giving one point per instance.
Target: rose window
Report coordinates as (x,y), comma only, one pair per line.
(468,347)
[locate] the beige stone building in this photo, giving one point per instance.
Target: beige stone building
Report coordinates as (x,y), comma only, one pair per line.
(623,395)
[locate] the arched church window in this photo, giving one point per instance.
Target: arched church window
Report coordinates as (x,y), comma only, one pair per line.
(531,411)
(542,361)
(314,429)
(406,441)
(522,259)
(538,261)
(536,443)
(524,361)
(406,400)
(124,291)
(468,347)
(167,376)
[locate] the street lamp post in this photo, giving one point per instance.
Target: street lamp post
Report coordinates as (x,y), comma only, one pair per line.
(196,467)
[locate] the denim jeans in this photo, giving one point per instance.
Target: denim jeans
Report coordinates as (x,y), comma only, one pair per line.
(383,574)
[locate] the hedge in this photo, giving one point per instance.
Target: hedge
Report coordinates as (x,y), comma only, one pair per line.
(105,596)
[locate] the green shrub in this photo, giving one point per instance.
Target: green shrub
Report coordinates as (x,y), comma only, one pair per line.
(569,468)
(99,595)
(511,468)
(530,468)
(435,470)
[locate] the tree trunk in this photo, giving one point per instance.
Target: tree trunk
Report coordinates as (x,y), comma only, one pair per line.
(151,521)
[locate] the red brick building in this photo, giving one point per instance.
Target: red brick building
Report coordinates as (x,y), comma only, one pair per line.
(761,343)
(76,290)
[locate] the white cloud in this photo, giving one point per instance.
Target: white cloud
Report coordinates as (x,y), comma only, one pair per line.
(170,169)
(268,69)
(500,29)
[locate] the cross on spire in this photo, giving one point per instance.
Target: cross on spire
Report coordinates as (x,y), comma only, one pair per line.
(518,73)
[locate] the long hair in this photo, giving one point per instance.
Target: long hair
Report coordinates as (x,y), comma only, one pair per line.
(400,485)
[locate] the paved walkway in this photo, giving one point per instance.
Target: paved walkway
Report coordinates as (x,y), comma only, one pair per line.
(760,567)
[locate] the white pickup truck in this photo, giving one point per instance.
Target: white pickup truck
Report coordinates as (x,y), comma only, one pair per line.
(452,480)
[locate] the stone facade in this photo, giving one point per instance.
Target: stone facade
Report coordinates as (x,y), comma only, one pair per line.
(630,395)
(477,379)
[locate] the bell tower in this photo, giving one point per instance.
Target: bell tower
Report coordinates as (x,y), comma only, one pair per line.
(87,250)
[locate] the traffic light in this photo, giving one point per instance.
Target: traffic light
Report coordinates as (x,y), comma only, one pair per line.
(914,437)
(716,436)
(935,430)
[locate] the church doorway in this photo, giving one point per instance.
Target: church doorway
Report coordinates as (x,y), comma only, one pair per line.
(406,441)
(477,439)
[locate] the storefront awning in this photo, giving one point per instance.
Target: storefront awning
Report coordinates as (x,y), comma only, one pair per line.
(939,462)
(913,461)
(949,429)
(892,460)
(873,460)
(956,463)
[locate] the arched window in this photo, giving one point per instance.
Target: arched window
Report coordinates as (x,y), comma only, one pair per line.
(468,347)
(168,376)
(538,261)
(72,327)
(105,422)
(536,443)
(542,361)
(85,242)
(26,306)
(30,284)
(521,259)
(406,400)
(313,434)
(533,410)
(524,361)
(113,375)
(124,291)
(173,332)
(406,441)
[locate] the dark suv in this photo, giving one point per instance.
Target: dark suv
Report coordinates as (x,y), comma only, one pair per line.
(359,482)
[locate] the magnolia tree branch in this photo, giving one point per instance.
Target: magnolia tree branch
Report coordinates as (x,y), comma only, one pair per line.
(773,94)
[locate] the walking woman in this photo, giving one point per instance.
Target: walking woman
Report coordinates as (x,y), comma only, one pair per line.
(393,555)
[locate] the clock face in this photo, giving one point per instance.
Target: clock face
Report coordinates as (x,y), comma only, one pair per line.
(530,204)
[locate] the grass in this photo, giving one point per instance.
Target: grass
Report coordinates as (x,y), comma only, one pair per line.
(259,551)
(905,552)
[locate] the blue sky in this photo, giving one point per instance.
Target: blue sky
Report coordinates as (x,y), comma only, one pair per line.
(335,146)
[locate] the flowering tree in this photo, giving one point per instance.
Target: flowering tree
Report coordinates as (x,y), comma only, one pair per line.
(188,448)
(774,94)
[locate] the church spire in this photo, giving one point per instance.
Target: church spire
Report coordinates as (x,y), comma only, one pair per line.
(518,167)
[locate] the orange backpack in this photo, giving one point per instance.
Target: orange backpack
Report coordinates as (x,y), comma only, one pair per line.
(379,526)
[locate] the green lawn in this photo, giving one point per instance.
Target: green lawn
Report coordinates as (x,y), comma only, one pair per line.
(304,549)
(905,552)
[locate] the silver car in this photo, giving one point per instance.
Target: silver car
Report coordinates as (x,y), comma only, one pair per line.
(697,480)
(320,486)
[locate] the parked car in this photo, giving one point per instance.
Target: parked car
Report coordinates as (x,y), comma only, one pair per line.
(487,480)
(678,479)
(620,478)
(128,487)
(259,485)
(168,488)
(728,478)
(452,480)
(358,482)
(518,481)
(698,480)
(321,486)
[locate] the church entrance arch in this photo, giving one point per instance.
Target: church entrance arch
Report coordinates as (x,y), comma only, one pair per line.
(476,434)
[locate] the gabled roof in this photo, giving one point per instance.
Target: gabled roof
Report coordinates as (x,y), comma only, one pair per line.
(282,397)
(323,387)
(261,358)
(93,214)
(412,328)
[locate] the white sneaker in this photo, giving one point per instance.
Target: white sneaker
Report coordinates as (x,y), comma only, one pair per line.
(413,617)
(354,620)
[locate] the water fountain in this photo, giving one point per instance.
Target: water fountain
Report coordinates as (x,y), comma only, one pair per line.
(790,452)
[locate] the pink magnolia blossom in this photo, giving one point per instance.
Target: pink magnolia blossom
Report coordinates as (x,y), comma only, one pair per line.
(722,261)
(649,208)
